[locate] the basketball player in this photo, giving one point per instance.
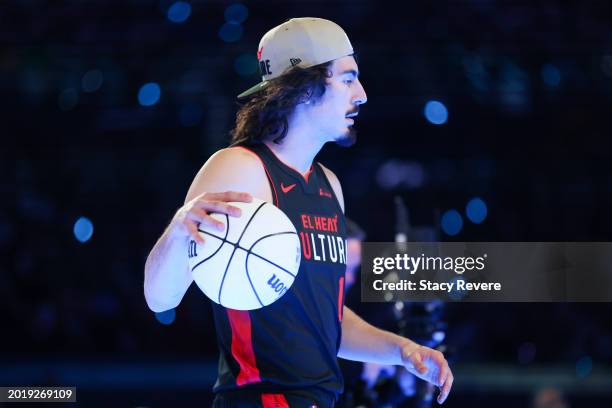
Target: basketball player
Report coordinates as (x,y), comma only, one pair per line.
(285,354)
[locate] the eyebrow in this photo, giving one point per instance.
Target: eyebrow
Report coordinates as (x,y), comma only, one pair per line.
(350,71)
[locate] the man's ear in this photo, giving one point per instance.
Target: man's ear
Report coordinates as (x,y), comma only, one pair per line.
(306,98)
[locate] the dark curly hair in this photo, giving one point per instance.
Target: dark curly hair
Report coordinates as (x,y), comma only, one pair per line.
(265,115)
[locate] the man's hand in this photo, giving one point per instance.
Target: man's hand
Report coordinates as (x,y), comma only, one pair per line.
(429,365)
(197,211)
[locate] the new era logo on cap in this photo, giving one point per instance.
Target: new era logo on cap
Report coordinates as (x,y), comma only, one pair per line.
(294,61)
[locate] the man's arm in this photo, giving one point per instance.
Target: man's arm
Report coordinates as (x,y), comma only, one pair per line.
(229,175)
(363,342)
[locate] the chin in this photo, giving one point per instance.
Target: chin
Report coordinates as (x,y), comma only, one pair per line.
(348,139)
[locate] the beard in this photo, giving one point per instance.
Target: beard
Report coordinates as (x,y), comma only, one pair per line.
(347,139)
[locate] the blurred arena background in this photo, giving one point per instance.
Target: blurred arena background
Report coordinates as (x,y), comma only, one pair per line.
(490,119)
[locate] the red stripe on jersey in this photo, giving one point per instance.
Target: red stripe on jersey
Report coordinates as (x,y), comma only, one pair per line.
(242,346)
(267,173)
(340,295)
(274,401)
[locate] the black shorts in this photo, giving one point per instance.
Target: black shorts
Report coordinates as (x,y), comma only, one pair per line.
(285,399)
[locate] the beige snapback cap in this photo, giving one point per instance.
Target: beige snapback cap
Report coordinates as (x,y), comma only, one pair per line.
(303,42)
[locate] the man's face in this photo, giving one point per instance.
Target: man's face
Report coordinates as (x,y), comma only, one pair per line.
(335,113)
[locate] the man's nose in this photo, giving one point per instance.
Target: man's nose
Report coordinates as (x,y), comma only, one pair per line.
(360,97)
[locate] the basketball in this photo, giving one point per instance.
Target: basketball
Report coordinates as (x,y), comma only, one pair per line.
(252,262)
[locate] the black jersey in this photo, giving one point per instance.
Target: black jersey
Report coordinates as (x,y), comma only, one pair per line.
(292,343)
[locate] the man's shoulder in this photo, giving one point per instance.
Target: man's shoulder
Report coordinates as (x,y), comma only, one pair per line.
(237,157)
(231,169)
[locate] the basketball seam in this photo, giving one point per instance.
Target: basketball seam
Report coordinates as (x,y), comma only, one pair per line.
(223,241)
(249,253)
(250,250)
(234,251)
(269,261)
(246,266)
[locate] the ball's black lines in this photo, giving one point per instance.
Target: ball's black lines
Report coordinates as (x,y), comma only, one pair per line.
(223,241)
(250,250)
(235,247)
(249,253)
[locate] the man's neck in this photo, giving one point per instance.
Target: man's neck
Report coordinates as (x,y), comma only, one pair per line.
(297,150)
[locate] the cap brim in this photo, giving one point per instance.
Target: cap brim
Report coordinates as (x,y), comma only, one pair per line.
(253,89)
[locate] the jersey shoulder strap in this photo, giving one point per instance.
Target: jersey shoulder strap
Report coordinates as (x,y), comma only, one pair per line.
(325,182)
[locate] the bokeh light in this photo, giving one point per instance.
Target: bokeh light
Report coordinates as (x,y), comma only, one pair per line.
(436,113)
(457,294)
(476,210)
(179,12)
(166,317)
(149,94)
(584,366)
(551,75)
(230,32)
(246,65)
(452,222)
(92,80)
(83,229)
(236,13)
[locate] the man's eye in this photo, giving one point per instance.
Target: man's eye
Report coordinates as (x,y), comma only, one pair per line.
(348,81)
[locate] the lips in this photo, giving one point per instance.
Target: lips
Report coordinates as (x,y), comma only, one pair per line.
(353,113)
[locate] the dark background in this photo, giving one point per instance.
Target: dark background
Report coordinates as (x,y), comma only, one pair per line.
(528,89)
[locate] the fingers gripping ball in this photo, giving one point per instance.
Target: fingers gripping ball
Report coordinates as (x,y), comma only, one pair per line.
(252,262)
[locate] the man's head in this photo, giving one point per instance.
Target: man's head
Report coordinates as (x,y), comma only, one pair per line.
(309,77)
(333,115)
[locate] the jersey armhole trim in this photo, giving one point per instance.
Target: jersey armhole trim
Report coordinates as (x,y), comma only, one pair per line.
(330,187)
(267,173)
